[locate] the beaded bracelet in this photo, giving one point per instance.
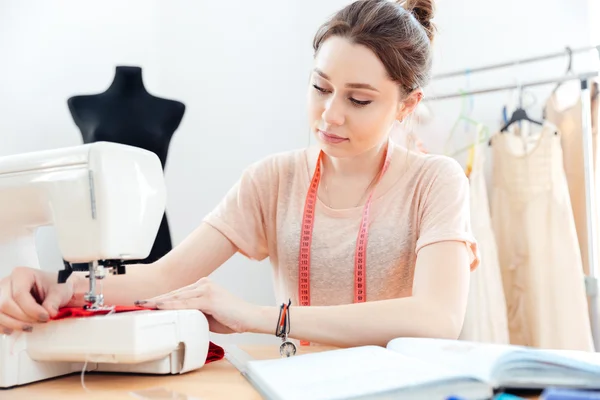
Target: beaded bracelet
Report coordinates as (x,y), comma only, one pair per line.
(287,347)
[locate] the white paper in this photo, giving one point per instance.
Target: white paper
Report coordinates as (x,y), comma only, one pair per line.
(344,373)
(470,358)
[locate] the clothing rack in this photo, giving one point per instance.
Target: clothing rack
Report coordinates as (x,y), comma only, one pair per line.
(567,52)
(580,77)
(591,281)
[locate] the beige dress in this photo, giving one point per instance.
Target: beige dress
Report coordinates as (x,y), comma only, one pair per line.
(569,123)
(485,320)
(538,249)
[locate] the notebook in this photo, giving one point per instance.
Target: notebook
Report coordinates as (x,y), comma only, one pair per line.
(418,368)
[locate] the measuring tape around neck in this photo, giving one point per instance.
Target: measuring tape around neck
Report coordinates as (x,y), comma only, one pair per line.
(360,256)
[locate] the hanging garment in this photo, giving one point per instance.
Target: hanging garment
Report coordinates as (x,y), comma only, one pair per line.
(485,319)
(537,243)
(569,122)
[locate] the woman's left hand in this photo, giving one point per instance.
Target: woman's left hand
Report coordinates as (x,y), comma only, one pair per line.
(226,313)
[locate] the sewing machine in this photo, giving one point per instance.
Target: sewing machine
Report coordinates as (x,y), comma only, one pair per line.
(106,202)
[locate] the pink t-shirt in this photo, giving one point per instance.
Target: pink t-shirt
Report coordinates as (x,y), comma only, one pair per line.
(422,199)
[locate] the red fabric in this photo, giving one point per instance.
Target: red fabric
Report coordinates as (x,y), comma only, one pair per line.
(215,352)
(77,312)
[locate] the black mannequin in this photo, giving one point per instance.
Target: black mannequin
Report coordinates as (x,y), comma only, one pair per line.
(126,113)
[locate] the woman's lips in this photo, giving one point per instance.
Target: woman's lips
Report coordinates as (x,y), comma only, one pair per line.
(330,138)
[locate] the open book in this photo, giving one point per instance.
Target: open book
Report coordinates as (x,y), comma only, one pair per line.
(415,368)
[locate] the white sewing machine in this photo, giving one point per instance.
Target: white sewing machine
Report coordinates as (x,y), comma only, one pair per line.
(106,202)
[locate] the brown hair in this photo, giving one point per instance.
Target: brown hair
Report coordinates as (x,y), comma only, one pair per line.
(400,33)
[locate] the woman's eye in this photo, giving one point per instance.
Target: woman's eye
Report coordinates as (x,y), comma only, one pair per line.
(360,102)
(320,89)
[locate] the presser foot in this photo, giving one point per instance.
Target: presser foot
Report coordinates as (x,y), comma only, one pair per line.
(95,301)
(98,308)
(97,271)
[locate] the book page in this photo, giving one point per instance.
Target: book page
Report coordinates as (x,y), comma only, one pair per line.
(584,360)
(343,373)
(471,358)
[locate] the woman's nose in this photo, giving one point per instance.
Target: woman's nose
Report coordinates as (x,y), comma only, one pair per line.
(333,114)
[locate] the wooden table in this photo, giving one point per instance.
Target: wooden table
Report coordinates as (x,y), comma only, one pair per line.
(214,381)
(217,380)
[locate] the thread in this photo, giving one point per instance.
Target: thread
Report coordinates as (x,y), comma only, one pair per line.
(87,360)
(83,377)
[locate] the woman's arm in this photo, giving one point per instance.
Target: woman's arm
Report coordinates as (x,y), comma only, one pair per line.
(203,251)
(436,308)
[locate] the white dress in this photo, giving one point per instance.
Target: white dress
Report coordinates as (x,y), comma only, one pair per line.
(486,319)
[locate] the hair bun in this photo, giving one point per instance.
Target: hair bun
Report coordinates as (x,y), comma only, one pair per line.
(423,11)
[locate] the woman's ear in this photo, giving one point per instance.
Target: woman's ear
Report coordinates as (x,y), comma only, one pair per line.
(408,105)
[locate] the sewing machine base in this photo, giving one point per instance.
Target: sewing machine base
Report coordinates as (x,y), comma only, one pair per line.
(150,342)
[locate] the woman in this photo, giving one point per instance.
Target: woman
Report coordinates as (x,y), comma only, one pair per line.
(371,61)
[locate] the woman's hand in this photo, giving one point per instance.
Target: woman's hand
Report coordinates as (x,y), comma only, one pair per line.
(226,313)
(30,296)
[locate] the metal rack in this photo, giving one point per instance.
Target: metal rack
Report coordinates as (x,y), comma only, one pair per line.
(568,51)
(580,77)
(591,281)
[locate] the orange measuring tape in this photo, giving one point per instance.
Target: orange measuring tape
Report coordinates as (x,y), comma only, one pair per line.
(308,220)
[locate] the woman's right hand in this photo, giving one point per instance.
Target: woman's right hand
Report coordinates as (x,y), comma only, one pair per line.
(30,296)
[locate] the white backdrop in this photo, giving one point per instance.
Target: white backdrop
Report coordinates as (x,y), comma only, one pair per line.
(242,70)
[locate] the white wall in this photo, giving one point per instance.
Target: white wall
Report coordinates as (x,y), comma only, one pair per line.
(593,19)
(243,76)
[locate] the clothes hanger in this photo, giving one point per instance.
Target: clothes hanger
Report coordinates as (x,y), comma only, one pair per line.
(465,110)
(567,93)
(462,118)
(482,134)
(569,69)
(520,114)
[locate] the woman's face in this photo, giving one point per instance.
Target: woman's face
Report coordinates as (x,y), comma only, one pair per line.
(352,103)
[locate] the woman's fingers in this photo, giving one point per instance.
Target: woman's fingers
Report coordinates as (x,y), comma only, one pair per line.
(174,292)
(12,310)
(24,300)
(190,292)
(9,324)
(5,331)
(191,303)
(165,296)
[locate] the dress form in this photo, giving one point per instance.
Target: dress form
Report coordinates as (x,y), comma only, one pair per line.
(126,113)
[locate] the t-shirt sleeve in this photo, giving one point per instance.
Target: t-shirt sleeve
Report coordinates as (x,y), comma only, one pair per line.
(444,214)
(240,217)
